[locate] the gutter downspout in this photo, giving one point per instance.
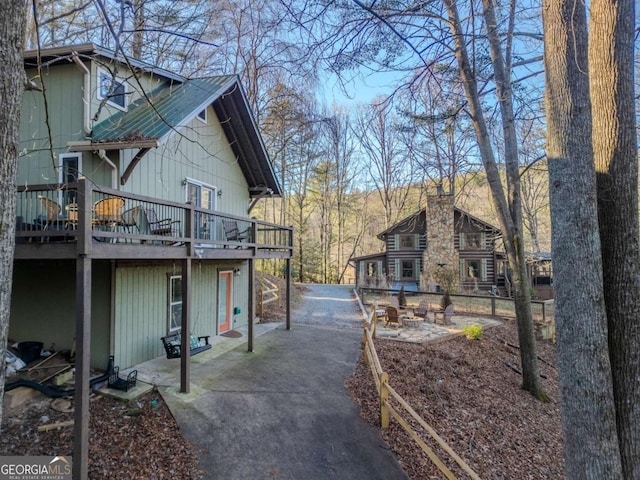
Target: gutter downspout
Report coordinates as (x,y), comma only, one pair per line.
(114,170)
(86,91)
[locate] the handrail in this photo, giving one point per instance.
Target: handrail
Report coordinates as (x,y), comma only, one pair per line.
(192,226)
(383,388)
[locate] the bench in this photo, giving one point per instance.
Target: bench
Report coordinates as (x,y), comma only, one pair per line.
(172,345)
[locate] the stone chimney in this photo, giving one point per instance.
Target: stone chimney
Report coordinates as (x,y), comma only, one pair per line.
(440,264)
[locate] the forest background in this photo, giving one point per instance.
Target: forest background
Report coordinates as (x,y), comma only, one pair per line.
(349,169)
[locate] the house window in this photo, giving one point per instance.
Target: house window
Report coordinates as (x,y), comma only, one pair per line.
(473,270)
(112,89)
(69,168)
(407,272)
(175,303)
(407,242)
(474,241)
(202,116)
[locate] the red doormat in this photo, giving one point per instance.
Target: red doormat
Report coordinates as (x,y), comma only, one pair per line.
(231,334)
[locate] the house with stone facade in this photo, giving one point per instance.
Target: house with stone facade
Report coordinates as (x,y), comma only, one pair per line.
(438,247)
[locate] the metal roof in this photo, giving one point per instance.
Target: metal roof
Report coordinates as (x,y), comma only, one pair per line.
(150,120)
(163,111)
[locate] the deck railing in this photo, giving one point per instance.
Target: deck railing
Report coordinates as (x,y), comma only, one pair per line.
(65,213)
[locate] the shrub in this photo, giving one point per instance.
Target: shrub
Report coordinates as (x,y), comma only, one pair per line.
(473,332)
(445,301)
(402,298)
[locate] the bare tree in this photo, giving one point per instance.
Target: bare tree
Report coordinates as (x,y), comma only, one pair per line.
(391,170)
(12,81)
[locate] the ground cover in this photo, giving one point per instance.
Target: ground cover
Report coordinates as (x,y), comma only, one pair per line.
(469,392)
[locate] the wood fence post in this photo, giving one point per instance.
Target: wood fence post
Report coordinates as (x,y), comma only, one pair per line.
(384,397)
(365,344)
(493,306)
(544,312)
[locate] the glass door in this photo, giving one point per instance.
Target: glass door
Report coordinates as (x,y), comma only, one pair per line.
(202,196)
(224,301)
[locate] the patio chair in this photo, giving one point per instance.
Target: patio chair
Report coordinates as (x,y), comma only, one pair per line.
(108,211)
(446,315)
(145,219)
(422,310)
(392,317)
(233,233)
(52,212)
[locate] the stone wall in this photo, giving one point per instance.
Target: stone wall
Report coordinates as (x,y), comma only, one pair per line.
(440,259)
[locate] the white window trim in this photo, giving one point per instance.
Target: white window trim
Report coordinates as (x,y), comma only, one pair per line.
(214,189)
(61,158)
(170,303)
(204,120)
(122,81)
(61,180)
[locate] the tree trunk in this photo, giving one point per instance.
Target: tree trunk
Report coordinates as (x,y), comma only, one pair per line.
(12,80)
(588,413)
(509,214)
(616,162)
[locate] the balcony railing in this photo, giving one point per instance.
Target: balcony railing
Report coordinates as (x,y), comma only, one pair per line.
(90,215)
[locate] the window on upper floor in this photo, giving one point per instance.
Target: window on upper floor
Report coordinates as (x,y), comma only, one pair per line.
(202,116)
(113,89)
(407,242)
(472,241)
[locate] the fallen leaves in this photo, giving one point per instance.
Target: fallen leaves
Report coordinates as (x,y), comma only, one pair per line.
(465,391)
(121,445)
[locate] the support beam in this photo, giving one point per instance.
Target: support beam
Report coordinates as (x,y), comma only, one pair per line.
(251,303)
(185,346)
(82,364)
(288,280)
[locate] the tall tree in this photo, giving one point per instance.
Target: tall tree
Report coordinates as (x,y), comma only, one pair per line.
(611,76)
(377,128)
(597,323)
(12,81)
(509,208)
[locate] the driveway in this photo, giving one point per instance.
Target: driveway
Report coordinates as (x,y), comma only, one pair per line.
(282,412)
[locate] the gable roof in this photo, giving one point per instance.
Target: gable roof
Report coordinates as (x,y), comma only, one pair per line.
(415,218)
(151,119)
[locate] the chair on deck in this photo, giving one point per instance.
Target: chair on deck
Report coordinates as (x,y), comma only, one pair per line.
(145,219)
(108,211)
(52,210)
(392,317)
(233,233)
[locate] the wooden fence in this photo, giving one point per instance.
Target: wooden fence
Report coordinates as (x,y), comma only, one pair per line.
(267,292)
(381,379)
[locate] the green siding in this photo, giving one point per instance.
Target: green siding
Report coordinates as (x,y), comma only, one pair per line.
(141,307)
(64,86)
(201,152)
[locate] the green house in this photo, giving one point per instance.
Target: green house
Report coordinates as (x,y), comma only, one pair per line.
(133,217)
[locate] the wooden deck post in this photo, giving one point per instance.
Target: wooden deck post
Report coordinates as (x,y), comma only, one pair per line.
(251,303)
(83,333)
(185,332)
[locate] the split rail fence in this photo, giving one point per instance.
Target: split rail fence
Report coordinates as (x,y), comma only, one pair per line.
(267,292)
(385,392)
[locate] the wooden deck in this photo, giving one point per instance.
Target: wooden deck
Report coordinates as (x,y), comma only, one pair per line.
(54,222)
